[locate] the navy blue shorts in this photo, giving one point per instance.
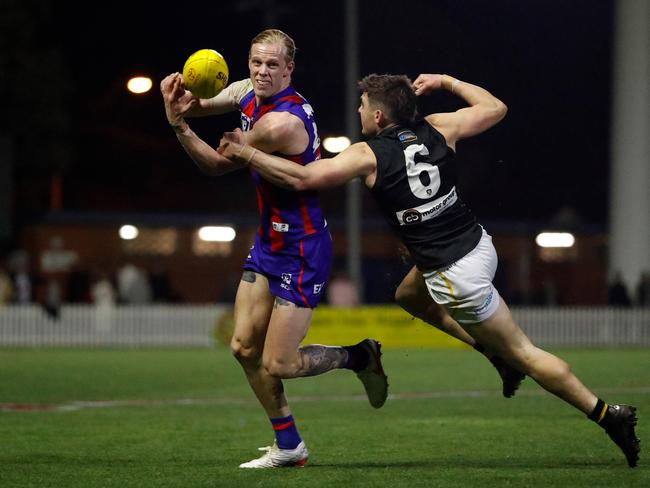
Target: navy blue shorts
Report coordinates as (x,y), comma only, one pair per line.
(298,272)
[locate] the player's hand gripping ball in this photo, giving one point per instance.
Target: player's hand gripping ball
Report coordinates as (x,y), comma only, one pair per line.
(205,73)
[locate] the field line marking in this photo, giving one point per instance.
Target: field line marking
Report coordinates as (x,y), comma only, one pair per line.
(80,405)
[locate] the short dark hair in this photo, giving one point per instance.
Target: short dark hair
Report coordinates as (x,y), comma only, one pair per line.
(393,94)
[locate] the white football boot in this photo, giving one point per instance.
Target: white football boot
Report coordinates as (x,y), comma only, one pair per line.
(280,458)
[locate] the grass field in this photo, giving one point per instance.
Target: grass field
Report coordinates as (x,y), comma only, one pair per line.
(169,418)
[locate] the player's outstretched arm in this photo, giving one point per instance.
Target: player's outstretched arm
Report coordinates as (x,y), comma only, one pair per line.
(189,106)
(177,105)
(226,101)
(484,111)
(357,160)
(204,156)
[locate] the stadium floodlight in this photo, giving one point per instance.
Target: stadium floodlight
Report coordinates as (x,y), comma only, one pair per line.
(139,84)
(336,144)
(217,233)
(129,232)
(555,239)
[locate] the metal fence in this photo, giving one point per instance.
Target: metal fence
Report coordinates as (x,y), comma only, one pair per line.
(585,327)
(130,326)
(194,326)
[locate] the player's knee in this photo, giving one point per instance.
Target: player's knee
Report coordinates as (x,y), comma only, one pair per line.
(280,368)
(561,369)
(537,363)
(244,353)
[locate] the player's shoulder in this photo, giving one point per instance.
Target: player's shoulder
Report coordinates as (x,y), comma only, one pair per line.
(360,148)
(361,151)
(238,90)
(280,126)
(274,118)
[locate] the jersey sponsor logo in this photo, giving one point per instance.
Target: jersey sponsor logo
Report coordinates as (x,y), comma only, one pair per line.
(411,216)
(286,281)
(308,109)
(427,211)
(486,303)
(245,122)
(407,136)
(280,226)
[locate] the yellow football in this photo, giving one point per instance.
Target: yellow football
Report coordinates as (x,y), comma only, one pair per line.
(205,73)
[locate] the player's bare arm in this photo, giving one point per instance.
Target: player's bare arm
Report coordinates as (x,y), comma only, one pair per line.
(177,105)
(226,101)
(190,106)
(278,132)
(484,111)
(357,160)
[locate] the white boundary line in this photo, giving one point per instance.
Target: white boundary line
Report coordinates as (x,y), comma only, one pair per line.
(80,405)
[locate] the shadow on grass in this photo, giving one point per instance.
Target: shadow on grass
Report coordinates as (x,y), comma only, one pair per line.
(433,463)
(475,464)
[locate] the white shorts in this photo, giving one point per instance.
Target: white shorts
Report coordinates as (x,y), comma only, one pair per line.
(465,287)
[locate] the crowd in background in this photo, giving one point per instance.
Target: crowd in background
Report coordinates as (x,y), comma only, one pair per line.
(56,276)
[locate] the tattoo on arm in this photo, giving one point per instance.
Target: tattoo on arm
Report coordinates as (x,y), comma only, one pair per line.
(321,359)
(248,276)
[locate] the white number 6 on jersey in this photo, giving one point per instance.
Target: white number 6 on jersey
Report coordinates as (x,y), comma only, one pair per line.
(414,170)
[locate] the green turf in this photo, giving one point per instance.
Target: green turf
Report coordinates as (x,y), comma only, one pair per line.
(446,426)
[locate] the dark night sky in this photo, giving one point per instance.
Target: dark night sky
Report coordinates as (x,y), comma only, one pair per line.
(548,60)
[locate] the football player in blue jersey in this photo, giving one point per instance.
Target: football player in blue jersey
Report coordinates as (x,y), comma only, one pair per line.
(288,265)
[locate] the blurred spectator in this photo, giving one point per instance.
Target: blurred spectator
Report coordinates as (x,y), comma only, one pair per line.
(18,264)
(52,303)
(617,293)
(133,285)
(57,259)
(341,291)
(56,264)
(103,296)
(102,291)
(6,287)
(643,289)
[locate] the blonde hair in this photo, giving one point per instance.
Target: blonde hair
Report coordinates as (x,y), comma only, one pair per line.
(276,36)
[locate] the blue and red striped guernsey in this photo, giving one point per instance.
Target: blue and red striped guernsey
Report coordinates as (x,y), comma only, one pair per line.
(286,216)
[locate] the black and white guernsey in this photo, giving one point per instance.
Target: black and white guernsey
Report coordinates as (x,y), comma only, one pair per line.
(416,191)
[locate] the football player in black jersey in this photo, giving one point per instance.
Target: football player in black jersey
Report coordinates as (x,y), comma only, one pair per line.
(408,164)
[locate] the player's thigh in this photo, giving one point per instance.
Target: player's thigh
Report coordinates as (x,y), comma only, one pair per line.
(253,307)
(287,329)
(413,296)
(502,335)
(412,293)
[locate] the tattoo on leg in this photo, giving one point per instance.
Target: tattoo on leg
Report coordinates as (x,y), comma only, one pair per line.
(321,359)
(278,389)
(277,392)
(279,301)
(248,276)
